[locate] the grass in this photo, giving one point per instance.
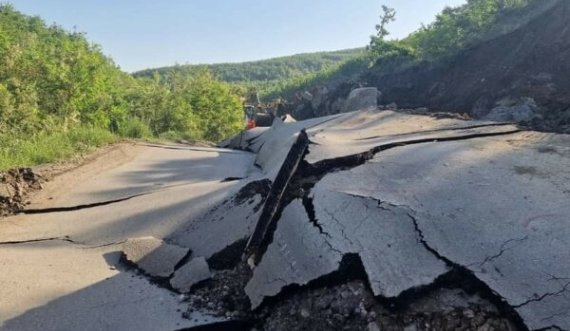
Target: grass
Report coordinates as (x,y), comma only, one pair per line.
(24,151)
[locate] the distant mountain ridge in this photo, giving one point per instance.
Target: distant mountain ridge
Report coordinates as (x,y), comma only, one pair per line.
(274,69)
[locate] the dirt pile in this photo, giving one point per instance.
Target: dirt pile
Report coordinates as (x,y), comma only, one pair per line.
(15,185)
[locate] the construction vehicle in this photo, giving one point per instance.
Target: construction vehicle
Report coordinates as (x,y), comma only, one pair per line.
(257,114)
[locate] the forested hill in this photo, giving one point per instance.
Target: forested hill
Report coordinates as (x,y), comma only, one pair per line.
(276,69)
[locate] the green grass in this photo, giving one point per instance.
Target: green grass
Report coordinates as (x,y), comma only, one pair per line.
(23,151)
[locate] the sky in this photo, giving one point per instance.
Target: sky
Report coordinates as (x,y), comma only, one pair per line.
(140,34)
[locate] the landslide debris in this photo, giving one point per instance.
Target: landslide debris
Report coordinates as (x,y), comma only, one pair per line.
(520,74)
(223,294)
(352,307)
(349,305)
(15,185)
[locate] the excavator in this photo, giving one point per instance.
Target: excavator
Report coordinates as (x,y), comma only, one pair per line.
(257,114)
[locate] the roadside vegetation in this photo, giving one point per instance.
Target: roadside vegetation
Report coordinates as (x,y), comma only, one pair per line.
(59,95)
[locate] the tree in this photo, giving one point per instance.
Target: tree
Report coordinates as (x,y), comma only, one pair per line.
(378,45)
(388,16)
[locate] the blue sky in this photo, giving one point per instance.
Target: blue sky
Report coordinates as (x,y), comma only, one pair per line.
(140,34)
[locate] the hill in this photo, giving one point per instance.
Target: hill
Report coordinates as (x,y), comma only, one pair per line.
(265,74)
(524,71)
(489,59)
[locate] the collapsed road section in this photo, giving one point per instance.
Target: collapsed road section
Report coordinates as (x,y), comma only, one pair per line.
(418,205)
(370,220)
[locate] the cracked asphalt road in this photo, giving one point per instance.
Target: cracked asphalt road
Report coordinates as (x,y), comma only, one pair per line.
(489,201)
(422,204)
(61,265)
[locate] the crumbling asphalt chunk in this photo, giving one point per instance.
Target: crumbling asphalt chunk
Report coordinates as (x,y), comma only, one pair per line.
(367,133)
(153,256)
(297,255)
(390,250)
(190,274)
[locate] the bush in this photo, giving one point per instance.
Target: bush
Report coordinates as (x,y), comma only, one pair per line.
(57,89)
(134,128)
(25,150)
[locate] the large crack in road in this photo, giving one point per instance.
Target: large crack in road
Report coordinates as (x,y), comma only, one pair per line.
(310,175)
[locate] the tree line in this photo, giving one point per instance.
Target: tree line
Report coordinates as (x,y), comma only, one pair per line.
(51,79)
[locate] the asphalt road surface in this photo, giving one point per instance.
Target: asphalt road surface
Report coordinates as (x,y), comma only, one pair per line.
(419,204)
(60,265)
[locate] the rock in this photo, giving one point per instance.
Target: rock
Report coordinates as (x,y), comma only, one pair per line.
(373,327)
(307,96)
(411,327)
(338,106)
(190,274)
(289,119)
(508,109)
(305,313)
(362,98)
(391,106)
(155,257)
(6,191)
(319,95)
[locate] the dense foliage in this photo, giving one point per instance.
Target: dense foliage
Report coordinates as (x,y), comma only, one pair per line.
(269,76)
(55,81)
(276,69)
(457,28)
(288,88)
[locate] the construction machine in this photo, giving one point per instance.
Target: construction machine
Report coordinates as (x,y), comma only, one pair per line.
(257,114)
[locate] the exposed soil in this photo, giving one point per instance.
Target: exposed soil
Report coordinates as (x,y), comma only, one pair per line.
(350,306)
(15,186)
(223,294)
(528,63)
(20,187)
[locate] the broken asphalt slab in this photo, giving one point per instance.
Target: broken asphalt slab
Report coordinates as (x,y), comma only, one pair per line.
(482,199)
(153,256)
(415,203)
(497,207)
(190,274)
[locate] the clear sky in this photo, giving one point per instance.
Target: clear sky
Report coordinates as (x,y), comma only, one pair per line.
(139,34)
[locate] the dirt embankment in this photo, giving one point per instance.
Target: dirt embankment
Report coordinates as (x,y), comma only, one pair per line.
(15,185)
(530,62)
(520,72)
